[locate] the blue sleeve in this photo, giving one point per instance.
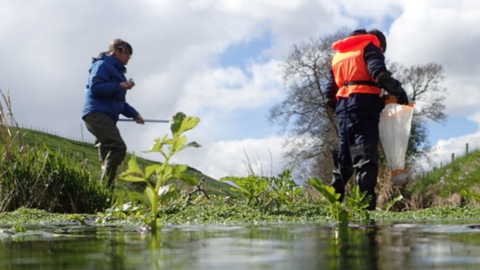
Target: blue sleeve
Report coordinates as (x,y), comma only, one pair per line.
(331,89)
(375,60)
(129,111)
(99,81)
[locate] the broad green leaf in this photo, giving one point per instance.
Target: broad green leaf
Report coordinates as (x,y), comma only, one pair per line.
(182,123)
(133,167)
(157,146)
(131,178)
(167,192)
(189,123)
(164,190)
(178,144)
(177,122)
(150,195)
(151,169)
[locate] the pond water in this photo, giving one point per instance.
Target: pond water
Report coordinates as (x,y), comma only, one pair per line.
(298,247)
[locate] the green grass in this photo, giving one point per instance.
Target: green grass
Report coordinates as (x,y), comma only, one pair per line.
(459,177)
(83,150)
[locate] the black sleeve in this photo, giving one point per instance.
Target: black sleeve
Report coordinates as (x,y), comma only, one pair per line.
(375,60)
(331,91)
(331,88)
(376,67)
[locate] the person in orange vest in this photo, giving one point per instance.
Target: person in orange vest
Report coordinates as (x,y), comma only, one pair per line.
(354,91)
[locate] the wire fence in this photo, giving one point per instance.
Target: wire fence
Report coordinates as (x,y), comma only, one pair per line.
(89,140)
(441,164)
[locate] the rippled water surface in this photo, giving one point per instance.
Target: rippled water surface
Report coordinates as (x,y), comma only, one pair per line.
(397,246)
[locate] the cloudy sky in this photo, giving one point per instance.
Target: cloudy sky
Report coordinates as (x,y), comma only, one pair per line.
(219,60)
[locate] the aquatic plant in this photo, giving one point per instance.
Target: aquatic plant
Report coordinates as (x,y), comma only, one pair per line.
(155,176)
(337,212)
(354,207)
(253,187)
(266,191)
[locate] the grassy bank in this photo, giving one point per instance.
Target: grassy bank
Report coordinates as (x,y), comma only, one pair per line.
(87,154)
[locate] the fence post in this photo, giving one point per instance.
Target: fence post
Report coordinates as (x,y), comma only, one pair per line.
(466,149)
(453,156)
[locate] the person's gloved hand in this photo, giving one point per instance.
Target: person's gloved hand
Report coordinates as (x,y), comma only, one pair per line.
(403,98)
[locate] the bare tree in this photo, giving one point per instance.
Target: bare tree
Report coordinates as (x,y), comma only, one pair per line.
(304,114)
(423,84)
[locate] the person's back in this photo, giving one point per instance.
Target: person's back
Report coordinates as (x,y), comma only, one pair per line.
(354,91)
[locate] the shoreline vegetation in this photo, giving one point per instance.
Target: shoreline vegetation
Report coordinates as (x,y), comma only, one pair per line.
(47,179)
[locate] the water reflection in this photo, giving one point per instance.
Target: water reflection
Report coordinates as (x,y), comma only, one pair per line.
(244,247)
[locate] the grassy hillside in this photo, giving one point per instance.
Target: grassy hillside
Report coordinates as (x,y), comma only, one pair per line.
(454,184)
(87,152)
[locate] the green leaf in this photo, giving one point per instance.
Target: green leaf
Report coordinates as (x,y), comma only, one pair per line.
(177,122)
(327,191)
(131,178)
(167,192)
(178,144)
(150,195)
(165,171)
(182,123)
(133,167)
(151,169)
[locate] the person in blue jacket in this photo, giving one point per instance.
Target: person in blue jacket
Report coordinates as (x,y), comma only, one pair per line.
(105,100)
(354,91)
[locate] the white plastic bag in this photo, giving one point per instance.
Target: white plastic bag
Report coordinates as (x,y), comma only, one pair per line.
(395,124)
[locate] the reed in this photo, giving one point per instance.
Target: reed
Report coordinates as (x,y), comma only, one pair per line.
(34,176)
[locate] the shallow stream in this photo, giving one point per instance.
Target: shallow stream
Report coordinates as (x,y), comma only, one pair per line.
(289,247)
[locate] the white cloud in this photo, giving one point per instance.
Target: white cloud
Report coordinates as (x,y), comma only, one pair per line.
(442,32)
(233,158)
(230,89)
(177,45)
(443,149)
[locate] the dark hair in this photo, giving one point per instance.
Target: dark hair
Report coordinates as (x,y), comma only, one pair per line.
(358,32)
(117,45)
(381,38)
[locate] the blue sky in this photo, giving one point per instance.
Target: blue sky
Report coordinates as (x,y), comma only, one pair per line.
(220,60)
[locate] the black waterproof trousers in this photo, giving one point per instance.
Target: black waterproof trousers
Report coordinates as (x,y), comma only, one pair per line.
(111,147)
(357,120)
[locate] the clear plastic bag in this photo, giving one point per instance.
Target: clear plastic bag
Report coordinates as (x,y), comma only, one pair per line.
(395,125)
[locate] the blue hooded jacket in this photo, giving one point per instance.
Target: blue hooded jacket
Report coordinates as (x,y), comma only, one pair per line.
(103,92)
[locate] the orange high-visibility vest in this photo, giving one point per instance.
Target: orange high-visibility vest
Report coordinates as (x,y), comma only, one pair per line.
(349,67)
